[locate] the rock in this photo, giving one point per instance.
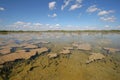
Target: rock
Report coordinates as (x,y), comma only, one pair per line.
(41,50)
(30,46)
(44,42)
(23,44)
(5,51)
(10,41)
(111,50)
(22,54)
(84,47)
(66,51)
(39,45)
(40,42)
(68,48)
(74,44)
(1,43)
(52,55)
(10,45)
(95,56)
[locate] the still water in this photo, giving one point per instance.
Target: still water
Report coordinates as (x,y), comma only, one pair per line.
(65,66)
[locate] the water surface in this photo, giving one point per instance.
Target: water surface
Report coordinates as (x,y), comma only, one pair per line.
(65,67)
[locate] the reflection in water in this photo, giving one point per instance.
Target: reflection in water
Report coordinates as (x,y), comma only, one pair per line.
(60,56)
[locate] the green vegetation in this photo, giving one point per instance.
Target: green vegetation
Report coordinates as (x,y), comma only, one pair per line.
(83,31)
(64,31)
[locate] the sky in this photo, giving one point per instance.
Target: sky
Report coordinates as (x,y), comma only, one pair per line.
(59,15)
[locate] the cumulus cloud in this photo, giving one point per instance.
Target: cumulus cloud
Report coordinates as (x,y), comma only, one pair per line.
(53,15)
(107,26)
(104,12)
(57,25)
(92,9)
(20,25)
(54,27)
(47,24)
(52,5)
(28,26)
(2,9)
(75,6)
(37,24)
(108,19)
(66,3)
(25,24)
(79,1)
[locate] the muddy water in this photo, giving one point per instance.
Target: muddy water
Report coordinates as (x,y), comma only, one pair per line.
(65,67)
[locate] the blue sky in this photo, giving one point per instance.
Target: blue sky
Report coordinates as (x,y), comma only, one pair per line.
(59,14)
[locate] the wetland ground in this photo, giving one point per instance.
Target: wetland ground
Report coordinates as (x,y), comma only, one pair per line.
(24,55)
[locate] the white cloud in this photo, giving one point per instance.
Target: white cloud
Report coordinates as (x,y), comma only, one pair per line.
(50,27)
(37,24)
(25,25)
(75,6)
(107,26)
(47,24)
(54,27)
(101,13)
(20,23)
(53,15)
(28,26)
(79,1)
(66,3)
(2,9)
(108,19)
(52,5)
(92,9)
(57,25)
(118,27)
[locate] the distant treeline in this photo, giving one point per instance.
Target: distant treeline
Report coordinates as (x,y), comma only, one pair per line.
(83,31)
(6,31)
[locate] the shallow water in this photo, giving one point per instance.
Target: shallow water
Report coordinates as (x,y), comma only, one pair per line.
(66,67)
